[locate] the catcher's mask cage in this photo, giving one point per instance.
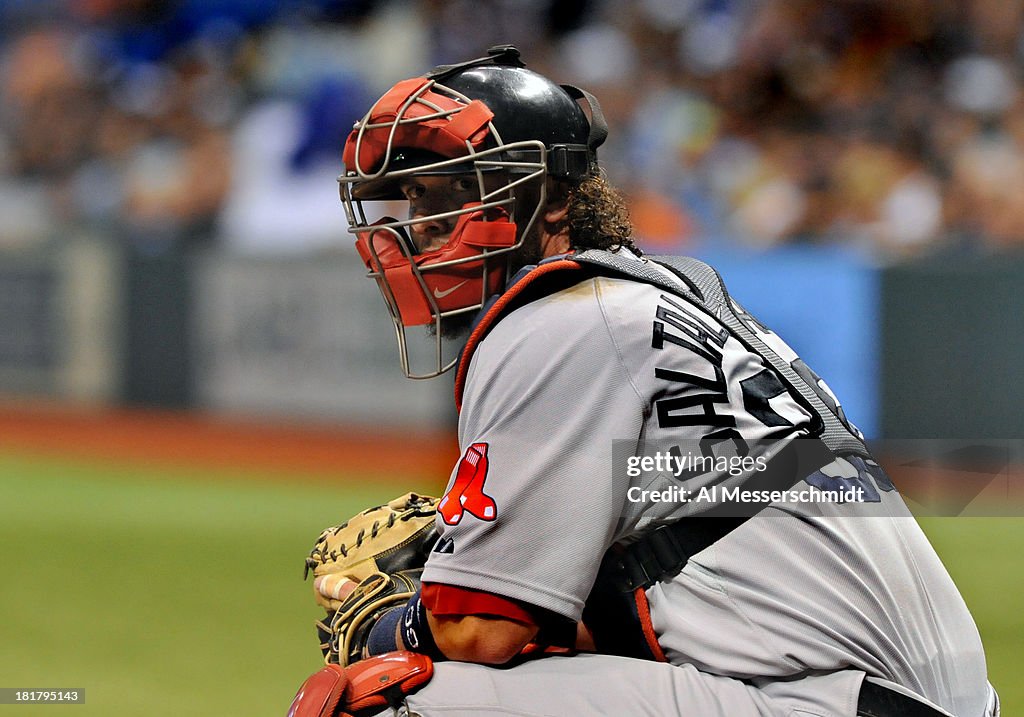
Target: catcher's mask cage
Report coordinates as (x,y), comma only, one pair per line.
(489,119)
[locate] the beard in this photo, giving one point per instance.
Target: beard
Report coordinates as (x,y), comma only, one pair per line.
(454,328)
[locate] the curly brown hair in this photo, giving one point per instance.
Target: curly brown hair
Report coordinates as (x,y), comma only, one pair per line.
(598,217)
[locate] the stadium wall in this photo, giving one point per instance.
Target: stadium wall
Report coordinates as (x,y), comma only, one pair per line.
(912,350)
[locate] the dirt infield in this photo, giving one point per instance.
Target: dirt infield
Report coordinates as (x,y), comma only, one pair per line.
(187,439)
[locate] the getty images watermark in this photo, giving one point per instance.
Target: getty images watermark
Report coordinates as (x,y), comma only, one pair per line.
(930,477)
(680,466)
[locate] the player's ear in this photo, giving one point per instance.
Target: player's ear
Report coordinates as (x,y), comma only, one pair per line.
(556,206)
(556,212)
(555,228)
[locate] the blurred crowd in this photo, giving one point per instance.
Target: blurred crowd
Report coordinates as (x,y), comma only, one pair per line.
(893,127)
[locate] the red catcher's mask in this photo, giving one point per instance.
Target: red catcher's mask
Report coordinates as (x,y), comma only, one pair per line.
(422,128)
(423,288)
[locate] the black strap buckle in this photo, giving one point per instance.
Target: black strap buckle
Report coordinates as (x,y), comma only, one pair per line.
(568,160)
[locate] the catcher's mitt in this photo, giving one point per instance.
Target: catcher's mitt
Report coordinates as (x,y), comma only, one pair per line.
(343,634)
(377,556)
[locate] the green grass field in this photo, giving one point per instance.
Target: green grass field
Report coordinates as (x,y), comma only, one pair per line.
(160,592)
(985,556)
(173,592)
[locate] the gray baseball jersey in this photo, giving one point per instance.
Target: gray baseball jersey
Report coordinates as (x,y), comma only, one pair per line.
(802,589)
(589,685)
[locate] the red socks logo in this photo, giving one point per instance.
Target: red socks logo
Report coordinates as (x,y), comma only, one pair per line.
(467,492)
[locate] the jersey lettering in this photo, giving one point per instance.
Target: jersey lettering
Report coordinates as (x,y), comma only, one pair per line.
(757,391)
(700,332)
(705,341)
(707,417)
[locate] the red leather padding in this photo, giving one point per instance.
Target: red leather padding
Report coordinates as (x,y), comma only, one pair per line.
(393,672)
(455,601)
(320,693)
(453,287)
(446,136)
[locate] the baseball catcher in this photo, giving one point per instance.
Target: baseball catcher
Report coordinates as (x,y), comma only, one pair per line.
(579,355)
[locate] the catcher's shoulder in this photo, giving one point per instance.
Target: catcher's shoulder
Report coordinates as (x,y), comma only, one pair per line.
(581,307)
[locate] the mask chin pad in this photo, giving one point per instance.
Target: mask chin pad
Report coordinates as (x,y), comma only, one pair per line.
(391,246)
(420,288)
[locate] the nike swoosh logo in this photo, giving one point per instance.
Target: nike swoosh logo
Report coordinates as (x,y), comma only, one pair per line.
(438,294)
